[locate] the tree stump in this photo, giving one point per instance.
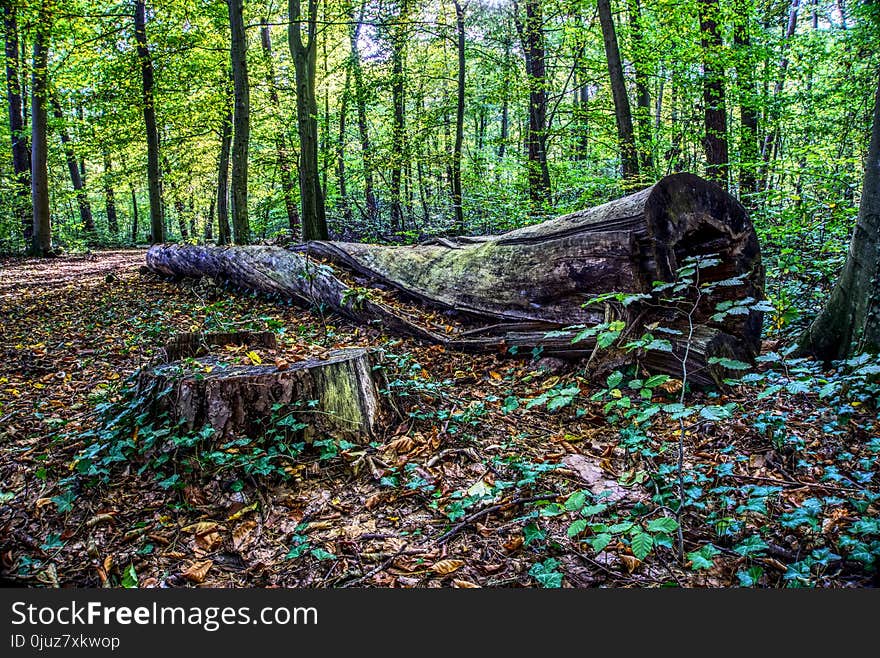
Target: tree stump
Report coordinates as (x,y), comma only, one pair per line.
(336,395)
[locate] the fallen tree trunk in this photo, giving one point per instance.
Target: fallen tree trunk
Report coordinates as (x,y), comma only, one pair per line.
(510,290)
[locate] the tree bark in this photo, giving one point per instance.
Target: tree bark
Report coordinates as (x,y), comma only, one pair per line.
(236,399)
(281,145)
(850,322)
(457,198)
(748,112)
(531,32)
(241,231)
(110,197)
(340,150)
(41,238)
(304,54)
(76,171)
(643,90)
(622,111)
(21,156)
(154,177)
(372,207)
(714,107)
(134,214)
(224,235)
(509,290)
(398,129)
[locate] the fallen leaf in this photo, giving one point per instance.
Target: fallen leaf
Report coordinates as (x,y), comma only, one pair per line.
(464,584)
(630,562)
(444,567)
(200,528)
(198,571)
(241,536)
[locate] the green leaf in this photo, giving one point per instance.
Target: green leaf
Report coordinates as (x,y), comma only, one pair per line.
(730,364)
(511,403)
(714,412)
(129,577)
(656,380)
(753,545)
(703,558)
(531,533)
(659,345)
(665,524)
(577,527)
(576,500)
(614,379)
(641,544)
(321,554)
(601,541)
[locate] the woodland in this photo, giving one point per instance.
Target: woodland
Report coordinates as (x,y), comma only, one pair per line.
(440,293)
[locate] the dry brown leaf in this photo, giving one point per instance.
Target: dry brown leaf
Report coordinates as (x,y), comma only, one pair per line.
(209,540)
(241,536)
(630,562)
(400,445)
(444,567)
(198,571)
(201,528)
(514,543)
(494,375)
(464,584)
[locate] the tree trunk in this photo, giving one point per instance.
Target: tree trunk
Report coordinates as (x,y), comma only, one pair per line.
(622,112)
(134,214)
(224,235)
(154,178)
(643,91)
(41,238)
(76,171)
(110,197)
(773,129)
(21,156)
(372,207)
(850,322)
(714,108)
(457,199)
(531,32)
(281,146)
(340,150)
(398,129)
(508,291)
(242,399)
(304,54)
(748,112)
(241,230)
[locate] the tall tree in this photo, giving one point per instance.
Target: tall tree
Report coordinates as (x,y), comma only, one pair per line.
(304,54)
(748,107)
(21,157)
(643,89)
(714,106)
(110,196)
(224,235)
(282,148)
(773,132)
(850,321)
(41,237)
(77,173)
(622,112)
(398,100)
(241,230)
(360,99)
(154,179)
(531,32)
(457,199)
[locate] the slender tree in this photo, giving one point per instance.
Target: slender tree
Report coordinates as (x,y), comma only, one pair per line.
(77,173)
(622,112)
(241,230)
(21,156)
(714,106)
(282,148)
(643,89)
(41,237)
(850,321)
(154,177)
(398,100)
(748,111)
(360,98)
(531,32)
(457,200)
(110,196)
(304,54)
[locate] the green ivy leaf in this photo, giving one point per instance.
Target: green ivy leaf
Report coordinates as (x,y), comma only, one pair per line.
(665,524)
(641,544)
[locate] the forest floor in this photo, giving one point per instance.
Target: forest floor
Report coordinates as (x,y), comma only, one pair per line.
(469,486)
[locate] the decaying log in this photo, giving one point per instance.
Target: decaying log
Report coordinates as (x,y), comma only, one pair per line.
(510,290)
(336,395)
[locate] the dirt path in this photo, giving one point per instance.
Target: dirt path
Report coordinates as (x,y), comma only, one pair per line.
(50,273)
